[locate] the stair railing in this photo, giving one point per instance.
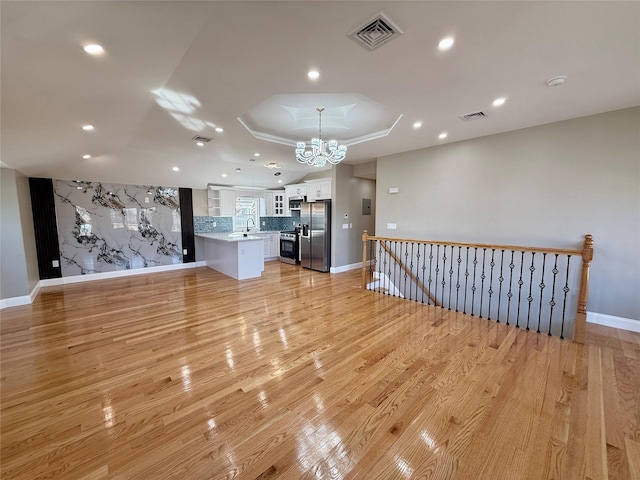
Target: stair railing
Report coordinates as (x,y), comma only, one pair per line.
(528,287)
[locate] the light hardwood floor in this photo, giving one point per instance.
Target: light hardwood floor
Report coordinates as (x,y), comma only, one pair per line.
(193,375)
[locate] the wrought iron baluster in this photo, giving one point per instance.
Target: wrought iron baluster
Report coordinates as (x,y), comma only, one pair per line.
(424,267)
(532,269)
(566,290)
(520,283)
(492,264)
(417,257)
(435,291)
(430,266)
(466,282)
(406,258)
(458,276)
(473,286)
(482,277)
(395,281)
(444,271)
(501,279)
(542,285)
(552,303)
(450,276)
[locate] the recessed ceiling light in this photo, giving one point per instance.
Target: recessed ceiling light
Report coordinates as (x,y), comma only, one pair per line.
(499,101)
(93,49)
(224,175)
(79,187)
(238,170)
(86,157)
(446,43)
(175,169)
(200,144)
(442,136)
(219,130)
(279,181)
(256,154)
(417,125)
(313,74)
(87,128)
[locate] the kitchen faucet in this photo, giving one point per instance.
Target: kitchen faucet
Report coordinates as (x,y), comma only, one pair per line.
(252,221)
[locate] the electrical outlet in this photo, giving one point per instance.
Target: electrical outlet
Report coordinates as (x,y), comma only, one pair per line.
(184,251)
(391,226)
(55,263)
(215,224)
(146,199)
(345,226)
(264,223)
(351,225)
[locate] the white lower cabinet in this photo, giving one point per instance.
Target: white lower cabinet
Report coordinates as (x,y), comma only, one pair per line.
(271,242)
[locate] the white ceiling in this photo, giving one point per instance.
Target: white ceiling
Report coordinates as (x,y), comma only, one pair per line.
(175,69)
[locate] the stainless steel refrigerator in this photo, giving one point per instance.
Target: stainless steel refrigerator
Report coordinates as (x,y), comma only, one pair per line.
(315,235)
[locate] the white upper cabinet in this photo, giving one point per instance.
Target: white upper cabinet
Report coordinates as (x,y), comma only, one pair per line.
(318,189)
(275,203)
(296,191)
(221,202)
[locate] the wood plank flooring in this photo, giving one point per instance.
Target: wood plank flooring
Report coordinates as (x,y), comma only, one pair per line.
(193,375)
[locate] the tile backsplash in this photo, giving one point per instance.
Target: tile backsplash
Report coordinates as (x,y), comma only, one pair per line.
(206,224)
(225,224)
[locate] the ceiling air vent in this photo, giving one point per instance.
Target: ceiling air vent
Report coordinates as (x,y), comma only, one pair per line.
(375,32)
(199,138)
(472,116)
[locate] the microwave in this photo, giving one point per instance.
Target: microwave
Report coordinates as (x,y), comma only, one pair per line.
(294,203)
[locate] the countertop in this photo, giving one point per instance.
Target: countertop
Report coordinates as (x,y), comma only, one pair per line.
(230,237)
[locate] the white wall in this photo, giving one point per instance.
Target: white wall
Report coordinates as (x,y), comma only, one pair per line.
(541,186)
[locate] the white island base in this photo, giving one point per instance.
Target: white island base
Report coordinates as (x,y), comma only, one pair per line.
(236,256)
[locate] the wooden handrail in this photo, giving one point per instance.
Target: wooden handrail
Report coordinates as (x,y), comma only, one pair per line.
(561,251)
(409,272)
(586,253)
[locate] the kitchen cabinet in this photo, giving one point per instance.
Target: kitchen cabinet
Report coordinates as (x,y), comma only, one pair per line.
(271,242)
(296,191)
(319,189)
(221,202)
(275,204)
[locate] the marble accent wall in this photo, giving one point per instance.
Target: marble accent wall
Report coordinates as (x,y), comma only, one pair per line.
(106,227)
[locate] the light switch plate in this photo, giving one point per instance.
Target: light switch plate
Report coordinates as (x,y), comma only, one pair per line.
(184,251)
(345,226)
(391,226)
(55,263)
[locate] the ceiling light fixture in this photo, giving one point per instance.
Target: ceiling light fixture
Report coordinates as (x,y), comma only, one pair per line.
(224,175)
(200,144)
(417,125)
(88,128)
(446,43)
(442,136)
(93,49)
(272,165)
(313,74)
(219,130)
(86,157)
(238,170)
(499,101)
(175,169)
(321,151)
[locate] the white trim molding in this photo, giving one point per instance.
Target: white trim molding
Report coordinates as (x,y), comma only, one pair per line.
(615,322)
(345,268)
(51,282)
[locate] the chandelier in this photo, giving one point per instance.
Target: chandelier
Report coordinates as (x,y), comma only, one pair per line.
(321,152)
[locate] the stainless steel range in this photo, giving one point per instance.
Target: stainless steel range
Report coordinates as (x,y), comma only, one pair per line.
(289,250)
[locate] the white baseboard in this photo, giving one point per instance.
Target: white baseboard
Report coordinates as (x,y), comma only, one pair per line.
(346,268)
(27,299)
(615,322)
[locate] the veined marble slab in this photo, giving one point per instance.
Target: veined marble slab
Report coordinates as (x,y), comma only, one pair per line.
(106,227)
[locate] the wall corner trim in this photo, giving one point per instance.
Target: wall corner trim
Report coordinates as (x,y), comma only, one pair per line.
(613,321)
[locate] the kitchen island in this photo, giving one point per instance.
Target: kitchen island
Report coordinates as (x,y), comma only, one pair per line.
(237,255)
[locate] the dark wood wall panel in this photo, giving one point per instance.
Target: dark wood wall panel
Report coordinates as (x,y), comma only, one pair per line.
(186,217)
(45,227)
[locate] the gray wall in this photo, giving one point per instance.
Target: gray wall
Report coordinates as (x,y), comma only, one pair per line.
(199,198)
(541,186)
(28,235)
(16,271)
(348,192)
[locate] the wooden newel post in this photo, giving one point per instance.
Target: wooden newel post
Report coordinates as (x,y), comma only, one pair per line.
(580,327)
(364,260)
